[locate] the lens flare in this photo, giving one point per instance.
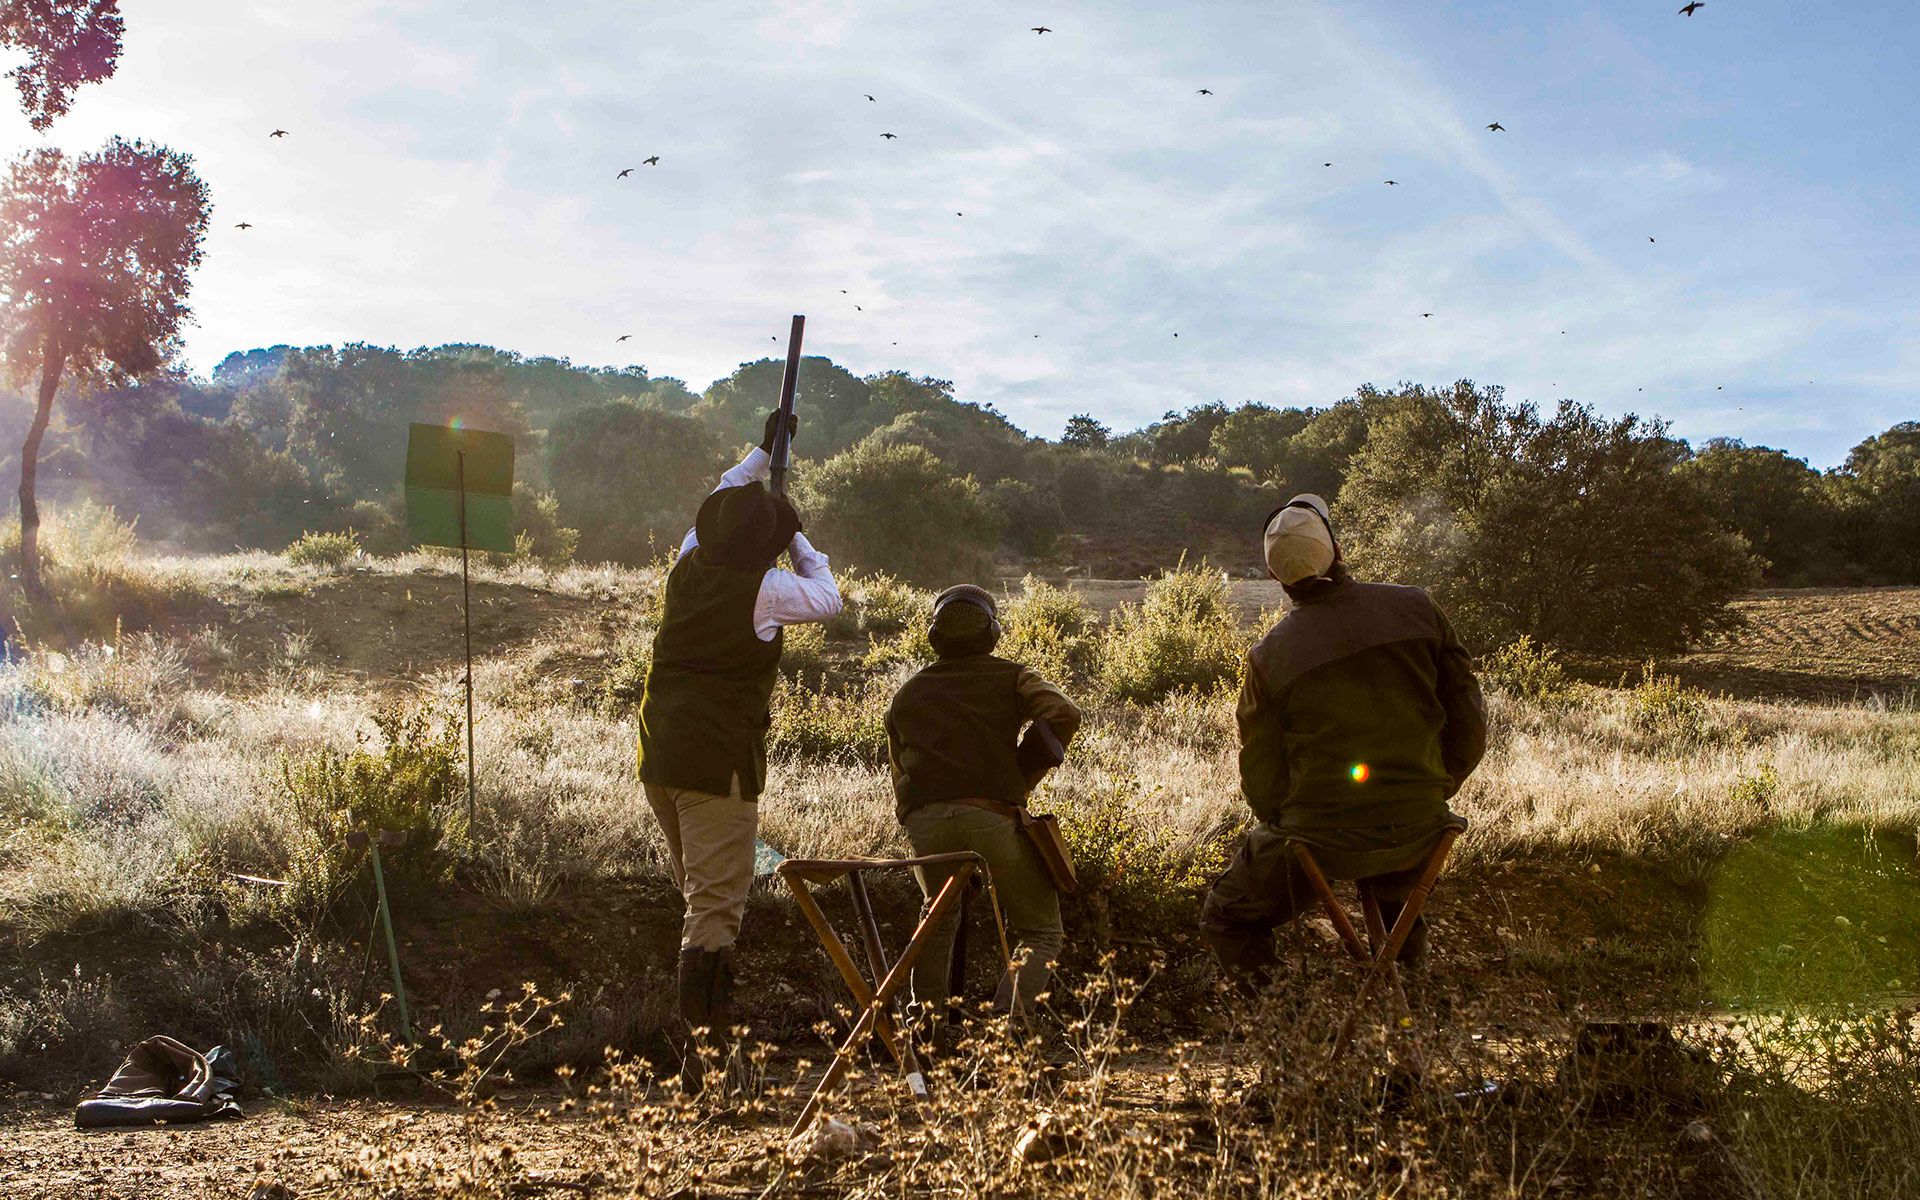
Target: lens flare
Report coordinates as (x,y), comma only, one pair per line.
(454,424)
(1359,772)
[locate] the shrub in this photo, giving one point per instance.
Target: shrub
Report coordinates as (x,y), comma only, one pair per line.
(841,724)
(1049,629)
(1139,875)
(1526,669)
(1667,711)
(629,476)
(626,679)
(803,650)
(1505,512)
(382,525)
(329,550)
(538,534)
(1182,636)
(880,605)
(403,782)
(910,648)
(88,558)
(1030,516)
(898,508)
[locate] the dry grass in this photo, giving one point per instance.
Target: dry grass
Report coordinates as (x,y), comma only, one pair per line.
(138,773)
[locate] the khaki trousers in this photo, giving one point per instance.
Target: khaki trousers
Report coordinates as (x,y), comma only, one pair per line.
(1027,896)
(710,839)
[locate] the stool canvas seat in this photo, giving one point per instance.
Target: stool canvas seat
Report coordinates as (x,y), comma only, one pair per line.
(874,998)
(1381,950)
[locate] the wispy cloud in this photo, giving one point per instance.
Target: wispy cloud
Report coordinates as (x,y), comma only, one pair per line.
(451,177)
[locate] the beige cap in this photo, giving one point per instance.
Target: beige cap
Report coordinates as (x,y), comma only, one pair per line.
(1299,540)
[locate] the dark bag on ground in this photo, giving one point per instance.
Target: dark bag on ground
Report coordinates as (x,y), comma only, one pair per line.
(164,1081)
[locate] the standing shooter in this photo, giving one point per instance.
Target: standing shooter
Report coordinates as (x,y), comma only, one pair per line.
(705,712)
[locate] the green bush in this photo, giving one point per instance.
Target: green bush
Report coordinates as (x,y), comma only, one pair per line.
(1049,629)
(1525,669)
(880,605)
(910,648)
(538,534)
(900,509)
(382,526)
(330,550)
(626,679)
(1666,710)
(803,650)
(1183,636)
(98,583)
(1139,875)
(841,724)
(402,781)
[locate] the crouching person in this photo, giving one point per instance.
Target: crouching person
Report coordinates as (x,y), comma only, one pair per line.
(705,711)
(960,770)
(1359,719)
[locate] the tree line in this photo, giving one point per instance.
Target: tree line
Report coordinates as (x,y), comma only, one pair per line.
(1587,531)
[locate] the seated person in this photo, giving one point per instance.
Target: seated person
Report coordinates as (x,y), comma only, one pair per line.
(1359,719)
(960,768)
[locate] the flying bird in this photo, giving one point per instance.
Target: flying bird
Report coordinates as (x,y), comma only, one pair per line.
(1690,8)
(1426,314)
(654,161)
(959,214)
(244,225)
(843,291)
(1205,92)
(1326,164)
(623,337)
(278,133)
(869,96)
(1041,29)
(1650,237)
(623,174)
(1393,183)
(889,136)
(857,308)
(1496,127)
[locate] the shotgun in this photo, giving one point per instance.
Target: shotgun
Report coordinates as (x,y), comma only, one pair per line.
(782,447)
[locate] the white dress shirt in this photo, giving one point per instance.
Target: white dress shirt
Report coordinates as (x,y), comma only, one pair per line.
(806,593)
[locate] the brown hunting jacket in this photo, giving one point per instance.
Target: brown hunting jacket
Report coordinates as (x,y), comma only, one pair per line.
(1360,717)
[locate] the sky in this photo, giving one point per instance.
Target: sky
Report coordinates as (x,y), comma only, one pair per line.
(1064,223)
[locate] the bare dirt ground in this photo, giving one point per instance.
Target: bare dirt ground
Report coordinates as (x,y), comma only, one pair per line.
(1817,644)
(305,1147)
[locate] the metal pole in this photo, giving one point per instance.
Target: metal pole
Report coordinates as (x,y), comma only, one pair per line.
(386,923)
(466,618)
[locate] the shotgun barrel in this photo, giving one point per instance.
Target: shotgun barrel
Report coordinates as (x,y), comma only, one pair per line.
(782,439)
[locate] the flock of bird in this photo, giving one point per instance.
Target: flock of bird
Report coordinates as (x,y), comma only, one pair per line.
(653,160)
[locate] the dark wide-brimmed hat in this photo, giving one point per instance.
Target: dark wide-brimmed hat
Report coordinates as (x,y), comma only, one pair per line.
(746,526)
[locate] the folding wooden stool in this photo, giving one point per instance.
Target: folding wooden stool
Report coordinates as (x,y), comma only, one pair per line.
(876,1000)
(1384,943)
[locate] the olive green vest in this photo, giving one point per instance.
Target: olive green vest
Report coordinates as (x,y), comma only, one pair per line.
(704,716)
(953,731)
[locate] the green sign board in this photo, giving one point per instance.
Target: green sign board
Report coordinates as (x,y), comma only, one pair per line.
(445,461)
